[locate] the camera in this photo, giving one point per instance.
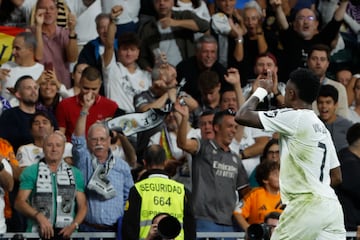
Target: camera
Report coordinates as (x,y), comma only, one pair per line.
(259,232)
(17,237)
(168,227)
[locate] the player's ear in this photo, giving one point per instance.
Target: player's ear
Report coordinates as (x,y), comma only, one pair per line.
(292,94)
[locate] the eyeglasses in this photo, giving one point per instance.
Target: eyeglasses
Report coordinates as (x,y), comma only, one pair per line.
(309,18)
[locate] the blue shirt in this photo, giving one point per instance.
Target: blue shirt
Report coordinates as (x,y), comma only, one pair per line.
(100,210)
(240,4)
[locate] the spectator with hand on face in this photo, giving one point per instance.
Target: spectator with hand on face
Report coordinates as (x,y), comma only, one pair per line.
(69,109)
(49,96)
(266,64)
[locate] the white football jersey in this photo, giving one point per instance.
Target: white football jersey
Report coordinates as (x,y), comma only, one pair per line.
(307,152)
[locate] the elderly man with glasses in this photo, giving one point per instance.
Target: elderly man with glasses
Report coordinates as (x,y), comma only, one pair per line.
(107,177)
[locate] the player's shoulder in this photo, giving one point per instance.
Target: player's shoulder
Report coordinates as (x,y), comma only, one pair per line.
(281,112)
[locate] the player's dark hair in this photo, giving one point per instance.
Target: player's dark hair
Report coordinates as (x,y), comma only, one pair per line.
(307,84)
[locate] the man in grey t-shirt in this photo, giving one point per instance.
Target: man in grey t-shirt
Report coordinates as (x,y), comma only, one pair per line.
(218,174)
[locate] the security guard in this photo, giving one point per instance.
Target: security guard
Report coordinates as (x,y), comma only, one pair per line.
(155,193)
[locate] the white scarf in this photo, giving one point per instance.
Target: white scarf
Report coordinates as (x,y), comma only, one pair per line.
(44,197)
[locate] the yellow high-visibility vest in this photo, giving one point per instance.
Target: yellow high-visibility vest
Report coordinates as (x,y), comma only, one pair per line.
(160,195)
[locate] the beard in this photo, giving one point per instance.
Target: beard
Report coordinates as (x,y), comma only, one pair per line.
(29,102)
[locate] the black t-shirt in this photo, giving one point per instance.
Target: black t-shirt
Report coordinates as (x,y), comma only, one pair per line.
(15,127)
(189,70)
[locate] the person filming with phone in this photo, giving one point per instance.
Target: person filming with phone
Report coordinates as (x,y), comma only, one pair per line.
(265,65)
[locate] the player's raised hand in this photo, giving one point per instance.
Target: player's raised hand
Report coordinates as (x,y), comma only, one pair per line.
(267,81)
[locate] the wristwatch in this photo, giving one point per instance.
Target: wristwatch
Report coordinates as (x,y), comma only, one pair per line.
(242,154)
(73,36)
(76,225)
(277,94)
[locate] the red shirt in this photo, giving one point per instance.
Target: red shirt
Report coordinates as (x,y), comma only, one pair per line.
(68,112)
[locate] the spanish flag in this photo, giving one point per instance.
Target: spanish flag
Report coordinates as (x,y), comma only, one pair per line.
(7,35)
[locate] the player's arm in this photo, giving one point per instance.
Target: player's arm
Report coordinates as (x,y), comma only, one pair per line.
(335,176)
(247,115)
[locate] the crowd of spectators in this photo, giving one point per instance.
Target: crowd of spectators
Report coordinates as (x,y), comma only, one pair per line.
(78,63)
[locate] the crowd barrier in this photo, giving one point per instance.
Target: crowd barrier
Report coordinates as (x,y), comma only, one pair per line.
(111,235)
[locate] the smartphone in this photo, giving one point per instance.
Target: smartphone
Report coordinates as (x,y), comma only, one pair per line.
(48,66)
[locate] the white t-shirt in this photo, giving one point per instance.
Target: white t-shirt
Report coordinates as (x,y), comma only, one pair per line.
(131,9)
(85,24)
(169,46)
(248,139)
(202,11)
(178,153)
(121,86)
(16,72)
(29,154)
(7,168)
(353,116)
(26,8)
(307,152)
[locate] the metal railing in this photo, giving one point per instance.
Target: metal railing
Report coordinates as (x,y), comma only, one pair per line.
(112,235)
